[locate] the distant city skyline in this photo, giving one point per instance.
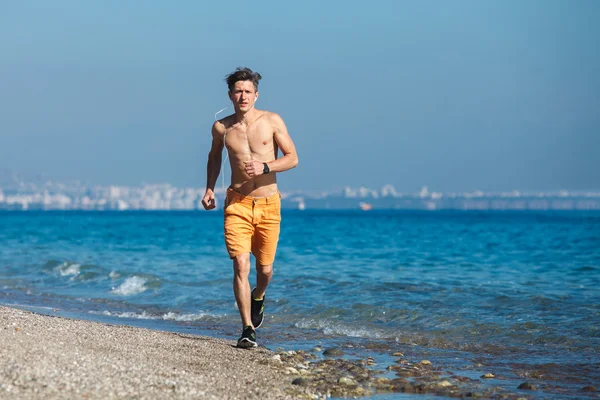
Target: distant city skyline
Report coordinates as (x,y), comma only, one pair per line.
(24,196)
(456,96)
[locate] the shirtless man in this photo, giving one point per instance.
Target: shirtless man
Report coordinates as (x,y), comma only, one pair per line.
(253,203)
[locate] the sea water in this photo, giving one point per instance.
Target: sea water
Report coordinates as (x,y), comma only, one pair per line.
(505,292)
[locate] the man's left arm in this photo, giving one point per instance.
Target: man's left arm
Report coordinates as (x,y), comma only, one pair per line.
(281,136)
(285,144)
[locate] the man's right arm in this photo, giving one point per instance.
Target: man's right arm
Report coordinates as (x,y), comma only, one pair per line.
(213,167)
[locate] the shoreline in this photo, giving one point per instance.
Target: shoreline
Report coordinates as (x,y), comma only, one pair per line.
(57,357)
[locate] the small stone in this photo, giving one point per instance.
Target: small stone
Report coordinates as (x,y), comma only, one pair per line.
(345,380)
(358,391)
(398,354)
(443,384)
(407,373)
(300,382)
(425,362)
(291,352)
(526,386)
(317,349)
(304,372)
(589,389)
(276,357)
(488,376)
(291,371)
(463,378)
(408,388)
(380,380)
(334,351)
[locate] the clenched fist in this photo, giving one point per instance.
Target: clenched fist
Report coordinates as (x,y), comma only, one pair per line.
(208,201)
(254,168)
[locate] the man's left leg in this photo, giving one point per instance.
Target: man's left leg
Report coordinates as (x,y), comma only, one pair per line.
(264,273)
(264,247)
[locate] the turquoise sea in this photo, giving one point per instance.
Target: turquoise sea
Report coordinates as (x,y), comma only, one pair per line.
(513,293)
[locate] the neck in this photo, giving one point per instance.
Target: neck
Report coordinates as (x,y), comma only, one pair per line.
(244,117)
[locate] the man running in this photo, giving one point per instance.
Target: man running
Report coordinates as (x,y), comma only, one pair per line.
(253,204)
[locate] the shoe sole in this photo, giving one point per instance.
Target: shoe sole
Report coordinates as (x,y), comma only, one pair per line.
(258,326)
(246,344)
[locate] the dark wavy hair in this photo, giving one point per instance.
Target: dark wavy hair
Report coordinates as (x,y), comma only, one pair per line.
(242,74)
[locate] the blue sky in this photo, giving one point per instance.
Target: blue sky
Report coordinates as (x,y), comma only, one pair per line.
(457,95)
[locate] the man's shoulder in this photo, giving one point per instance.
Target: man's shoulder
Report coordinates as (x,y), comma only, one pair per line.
(221,126)
(272,117)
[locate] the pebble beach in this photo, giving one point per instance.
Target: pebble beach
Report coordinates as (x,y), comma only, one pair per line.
(58,358)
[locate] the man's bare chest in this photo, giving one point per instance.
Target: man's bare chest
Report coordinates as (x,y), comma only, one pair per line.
(256,139)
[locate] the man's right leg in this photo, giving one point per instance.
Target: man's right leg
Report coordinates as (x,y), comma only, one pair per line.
(241,286)
(241,289)
(238,238)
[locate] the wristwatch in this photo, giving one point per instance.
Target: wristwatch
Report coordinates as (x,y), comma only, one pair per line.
(266,168)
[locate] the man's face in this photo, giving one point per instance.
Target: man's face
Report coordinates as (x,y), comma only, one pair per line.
(243,95)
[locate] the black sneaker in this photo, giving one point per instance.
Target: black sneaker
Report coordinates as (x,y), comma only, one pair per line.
(257,310)
(248,338)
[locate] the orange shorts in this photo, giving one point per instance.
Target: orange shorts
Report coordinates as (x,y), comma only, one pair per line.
(252,225)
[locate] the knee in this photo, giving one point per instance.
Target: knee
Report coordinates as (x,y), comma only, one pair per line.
(264,269)
(241,264)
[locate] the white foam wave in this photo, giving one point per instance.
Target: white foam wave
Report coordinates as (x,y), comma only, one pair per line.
(170,316)
(114,275)
(185,317)
(127,314)
(334,328)
(131,285)
(66,269)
